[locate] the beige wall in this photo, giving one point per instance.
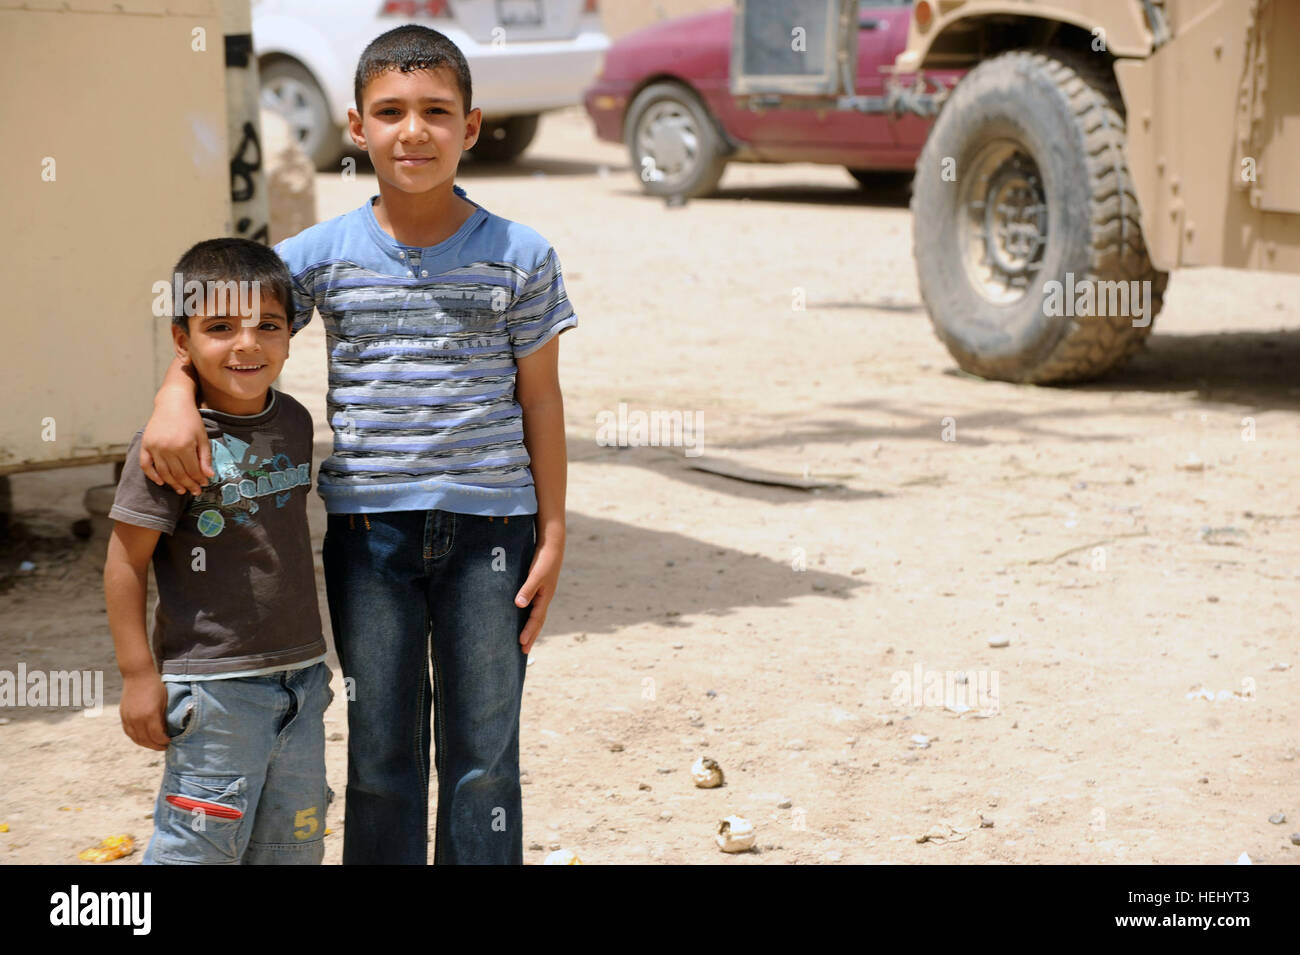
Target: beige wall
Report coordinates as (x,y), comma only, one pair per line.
(115,163)
(623,16)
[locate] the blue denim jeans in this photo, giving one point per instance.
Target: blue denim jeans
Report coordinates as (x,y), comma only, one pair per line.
(422,605)
(245,775)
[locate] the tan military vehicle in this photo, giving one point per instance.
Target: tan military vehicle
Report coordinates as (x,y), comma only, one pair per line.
(1094,147)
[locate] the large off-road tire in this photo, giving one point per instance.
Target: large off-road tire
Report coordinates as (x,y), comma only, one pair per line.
(674,145)
(1022,184)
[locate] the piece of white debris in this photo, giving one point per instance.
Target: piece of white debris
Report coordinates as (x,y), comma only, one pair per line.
(944,832)
(706,773)
(735,834)
(563,857)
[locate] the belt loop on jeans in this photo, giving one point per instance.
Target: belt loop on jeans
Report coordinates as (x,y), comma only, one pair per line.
(366,518)
(351,525)
(505,520)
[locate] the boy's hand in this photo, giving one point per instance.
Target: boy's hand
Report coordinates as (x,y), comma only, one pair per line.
(143,708)
(174,448)
(539,588)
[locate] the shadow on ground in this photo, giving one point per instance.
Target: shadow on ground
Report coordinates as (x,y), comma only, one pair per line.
(663,576)
(846,195)
(1260,370)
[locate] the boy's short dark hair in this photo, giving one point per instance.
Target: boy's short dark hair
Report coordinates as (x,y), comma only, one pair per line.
(408,48)
(231,260)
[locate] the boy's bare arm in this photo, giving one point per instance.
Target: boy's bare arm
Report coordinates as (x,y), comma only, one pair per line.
(126,579)
(174,449)
(537,389)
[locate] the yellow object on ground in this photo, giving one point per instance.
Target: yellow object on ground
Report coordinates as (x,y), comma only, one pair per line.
(114,847)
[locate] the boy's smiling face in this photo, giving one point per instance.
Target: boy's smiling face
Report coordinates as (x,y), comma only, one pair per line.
(236,356)
(415,128)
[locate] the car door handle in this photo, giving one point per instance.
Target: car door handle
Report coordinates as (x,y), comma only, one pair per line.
(871,23)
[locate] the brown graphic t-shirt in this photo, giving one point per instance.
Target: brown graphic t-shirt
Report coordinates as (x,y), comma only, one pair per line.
(236,585)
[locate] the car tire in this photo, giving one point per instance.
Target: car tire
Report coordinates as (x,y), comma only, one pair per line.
(505,139)
(674,143)
(288,88)
(1023,184)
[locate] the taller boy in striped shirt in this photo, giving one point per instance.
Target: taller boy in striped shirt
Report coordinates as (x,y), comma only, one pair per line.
(445,491)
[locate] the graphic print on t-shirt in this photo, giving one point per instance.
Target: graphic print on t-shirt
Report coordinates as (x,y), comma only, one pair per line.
(244,473)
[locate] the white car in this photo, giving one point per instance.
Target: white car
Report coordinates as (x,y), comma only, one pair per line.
(526,57)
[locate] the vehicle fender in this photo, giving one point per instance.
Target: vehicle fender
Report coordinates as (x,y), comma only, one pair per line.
(1123,23)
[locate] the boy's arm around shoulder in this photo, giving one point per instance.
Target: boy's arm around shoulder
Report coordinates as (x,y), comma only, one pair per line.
(175,451)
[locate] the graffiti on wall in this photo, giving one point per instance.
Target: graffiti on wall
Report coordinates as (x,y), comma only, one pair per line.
(248,201)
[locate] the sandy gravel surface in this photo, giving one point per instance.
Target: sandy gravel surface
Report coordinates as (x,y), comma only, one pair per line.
(1134,542)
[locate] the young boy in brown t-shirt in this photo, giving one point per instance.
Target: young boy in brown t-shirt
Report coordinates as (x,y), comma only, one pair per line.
(239,688)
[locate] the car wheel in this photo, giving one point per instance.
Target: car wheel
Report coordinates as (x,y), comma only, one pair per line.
(1022,199)
(675,147)
(505,139)
(290,90)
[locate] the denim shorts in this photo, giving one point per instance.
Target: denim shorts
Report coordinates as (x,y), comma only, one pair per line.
(245,776)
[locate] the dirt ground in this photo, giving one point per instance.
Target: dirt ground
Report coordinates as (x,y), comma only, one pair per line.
(1137,542)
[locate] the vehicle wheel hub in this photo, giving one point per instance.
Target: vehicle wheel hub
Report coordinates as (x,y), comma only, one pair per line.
(669,137)
(291,100)
(1005,226)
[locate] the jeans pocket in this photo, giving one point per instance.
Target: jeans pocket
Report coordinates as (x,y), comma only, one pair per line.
(182,710)
(203,819)
(316,687)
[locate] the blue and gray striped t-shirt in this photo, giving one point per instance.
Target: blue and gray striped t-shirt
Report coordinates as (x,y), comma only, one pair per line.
(422,348)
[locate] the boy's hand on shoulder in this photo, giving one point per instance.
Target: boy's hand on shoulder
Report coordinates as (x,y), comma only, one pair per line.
(174,448)
(143,710)
(539,588)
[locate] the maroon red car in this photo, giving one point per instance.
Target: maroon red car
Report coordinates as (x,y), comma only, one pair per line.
(665,91)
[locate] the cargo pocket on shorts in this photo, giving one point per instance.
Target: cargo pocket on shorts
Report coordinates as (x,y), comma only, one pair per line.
(203,819)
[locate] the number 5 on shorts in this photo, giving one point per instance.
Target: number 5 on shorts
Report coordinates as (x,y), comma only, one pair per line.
(305,823)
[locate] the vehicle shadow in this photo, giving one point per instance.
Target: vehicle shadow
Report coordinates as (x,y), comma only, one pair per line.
(1259,370)
(809,195)
(890,197)
(1255,371)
